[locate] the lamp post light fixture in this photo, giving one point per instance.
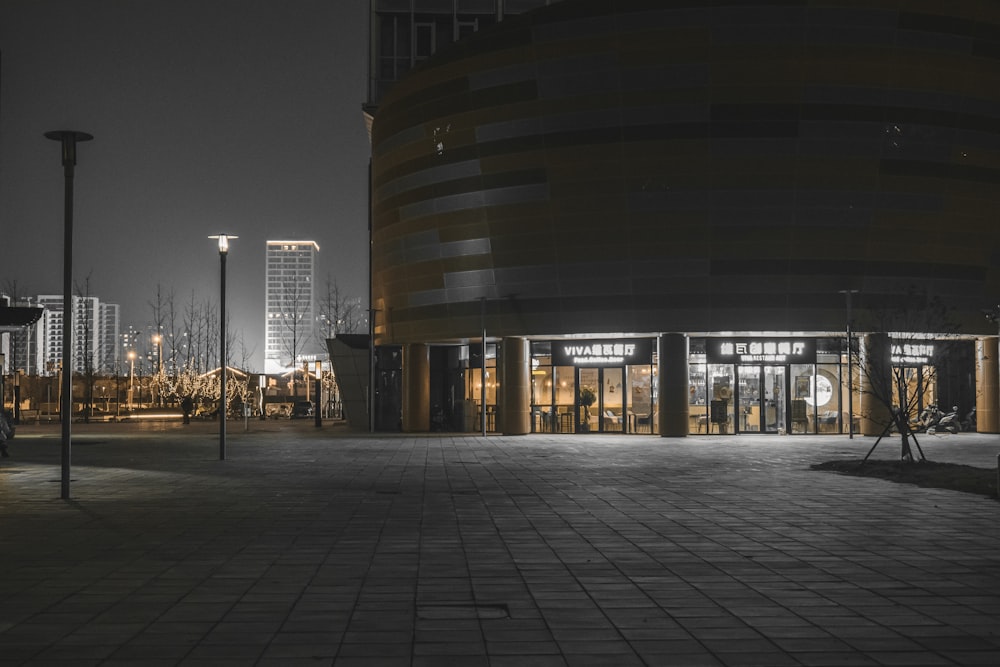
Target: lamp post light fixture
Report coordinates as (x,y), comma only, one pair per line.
(319,394)
(131,380)
(68,139)
(223,251)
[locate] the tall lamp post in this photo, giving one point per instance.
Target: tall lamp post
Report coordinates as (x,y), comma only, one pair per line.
(371,368)
(131,381)
(482,367)
(319,394)
(223,251)
(158,340)
(68,139)
(850,364)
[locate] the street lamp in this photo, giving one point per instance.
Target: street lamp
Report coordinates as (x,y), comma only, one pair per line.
(850,365)
(158,339)
(319,394)
(131,380)
(68,139)
(482,367)
(223,251)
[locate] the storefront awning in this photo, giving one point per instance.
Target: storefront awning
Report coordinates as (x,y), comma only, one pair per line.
(17,317)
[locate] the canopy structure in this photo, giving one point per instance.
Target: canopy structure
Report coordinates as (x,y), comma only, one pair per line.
(18,317)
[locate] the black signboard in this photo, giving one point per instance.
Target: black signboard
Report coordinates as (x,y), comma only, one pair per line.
(753,350)
(613,352)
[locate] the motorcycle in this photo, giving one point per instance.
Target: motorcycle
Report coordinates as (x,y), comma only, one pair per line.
(928,419)
(947,423)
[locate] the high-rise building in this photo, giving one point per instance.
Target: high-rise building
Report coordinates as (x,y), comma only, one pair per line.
(95,335)
(290,304)
(108,326)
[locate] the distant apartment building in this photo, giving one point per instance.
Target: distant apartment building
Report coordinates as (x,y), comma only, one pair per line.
(108,326)
(95,336)
(290,304)
(139,350)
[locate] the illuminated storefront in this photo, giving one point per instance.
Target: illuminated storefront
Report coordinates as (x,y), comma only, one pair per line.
(767,385)
(593,386)
(567,208)
(733,384)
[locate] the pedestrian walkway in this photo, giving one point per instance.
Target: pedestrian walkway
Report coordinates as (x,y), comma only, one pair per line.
(314,546)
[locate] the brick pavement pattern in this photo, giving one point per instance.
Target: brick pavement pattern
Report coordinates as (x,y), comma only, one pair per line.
(321,547)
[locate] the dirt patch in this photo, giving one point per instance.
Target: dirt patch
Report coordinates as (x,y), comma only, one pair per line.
(981,481)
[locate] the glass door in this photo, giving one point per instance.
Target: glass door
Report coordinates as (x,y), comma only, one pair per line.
(775,393)
(749,399)
(588,404)
(600,402)
(612,404)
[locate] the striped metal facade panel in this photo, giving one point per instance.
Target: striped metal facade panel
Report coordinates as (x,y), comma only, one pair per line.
(638,166)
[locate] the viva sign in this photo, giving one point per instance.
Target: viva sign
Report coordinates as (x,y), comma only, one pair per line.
(602,352)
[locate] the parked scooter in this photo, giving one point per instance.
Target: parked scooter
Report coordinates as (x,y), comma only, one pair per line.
(928,419)
(948,423)
(969,423)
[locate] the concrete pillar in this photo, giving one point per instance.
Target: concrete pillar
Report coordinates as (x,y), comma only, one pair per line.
(673,379)
(988,384)
(876,383)
(416,388)
(515,392)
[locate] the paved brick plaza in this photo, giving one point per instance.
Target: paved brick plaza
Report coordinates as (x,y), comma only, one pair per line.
(317,547)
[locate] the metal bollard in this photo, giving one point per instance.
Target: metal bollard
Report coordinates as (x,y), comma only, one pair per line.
(998,475)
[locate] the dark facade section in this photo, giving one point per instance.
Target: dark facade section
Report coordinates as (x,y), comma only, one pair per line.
(635,166)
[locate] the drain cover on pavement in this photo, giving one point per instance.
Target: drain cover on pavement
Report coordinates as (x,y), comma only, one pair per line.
(461,611)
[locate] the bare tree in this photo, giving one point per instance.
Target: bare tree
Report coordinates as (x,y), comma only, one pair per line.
(201,328)
(172,340)
(295,308)
(338,313)
(88,358)
(912,326)
(245,353)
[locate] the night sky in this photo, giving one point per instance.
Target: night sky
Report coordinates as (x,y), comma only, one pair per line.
(236,116)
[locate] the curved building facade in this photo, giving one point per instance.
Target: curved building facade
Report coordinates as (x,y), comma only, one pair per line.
(758,175)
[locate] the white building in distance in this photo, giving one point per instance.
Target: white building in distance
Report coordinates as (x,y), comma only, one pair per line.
(95,335)
(290,307)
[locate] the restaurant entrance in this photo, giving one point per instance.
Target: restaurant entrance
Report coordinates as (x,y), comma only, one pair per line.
(593,386)
(758,385)
(600,399)
(761,398)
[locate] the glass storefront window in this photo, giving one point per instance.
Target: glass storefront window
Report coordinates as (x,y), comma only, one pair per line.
(565,398)
(640,399)
(724,398)
(721,382)
(697,394)
(612,403)
(775,399)
(749,399)
(807,390)
(830,404)
(474,386)
(590,389)
(542,395)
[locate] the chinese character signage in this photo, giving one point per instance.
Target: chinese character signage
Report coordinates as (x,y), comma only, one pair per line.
(602,352)
(760,350)
(916,354)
